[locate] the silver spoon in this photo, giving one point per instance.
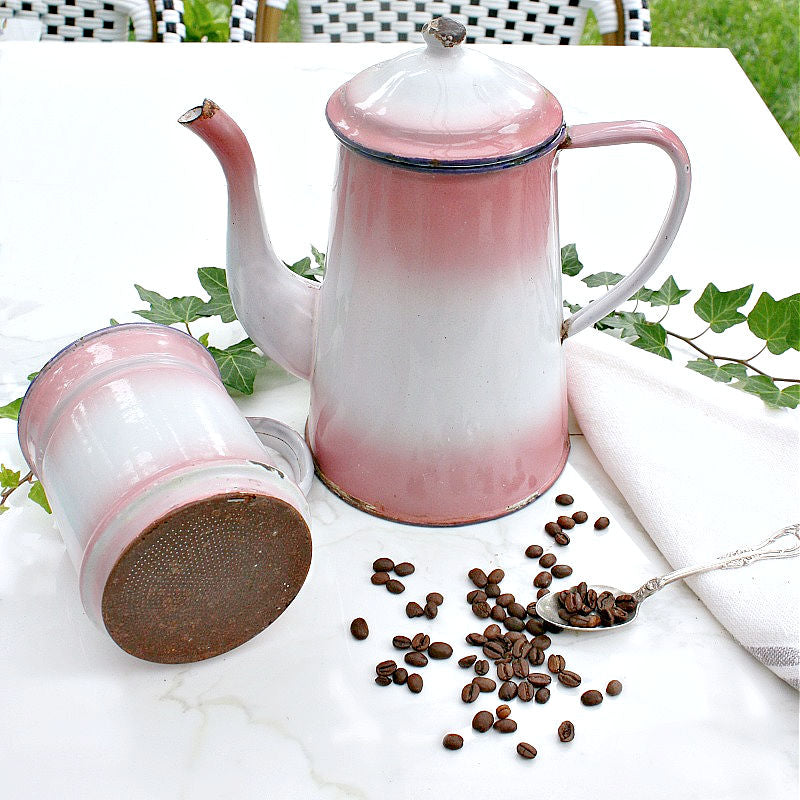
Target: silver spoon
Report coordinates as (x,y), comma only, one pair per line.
(547,607)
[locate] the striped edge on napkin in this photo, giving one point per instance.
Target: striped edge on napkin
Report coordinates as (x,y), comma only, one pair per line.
(706,469)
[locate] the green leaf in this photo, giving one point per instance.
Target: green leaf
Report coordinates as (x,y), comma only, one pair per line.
(643,294)
(3,509)
(8,478)
(573,307)
(238,365)
(300,267)
(33,375)
(37,494)
(203,339)
(11,410)
(215,282)
(669,294)
(602,279)
(570,263)
(719,309)
(791,395)
(653,338)
(777,322)
(318,257)
(172,310)
(112,322)
(625,322)
(765,388)
(724,374)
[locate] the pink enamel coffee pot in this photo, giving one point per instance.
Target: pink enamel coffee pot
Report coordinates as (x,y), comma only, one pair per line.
(433,345)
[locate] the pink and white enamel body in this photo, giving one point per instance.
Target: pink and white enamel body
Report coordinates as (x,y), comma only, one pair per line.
(128,424)
(433,346)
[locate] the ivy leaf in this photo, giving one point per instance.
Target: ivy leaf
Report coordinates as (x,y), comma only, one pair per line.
(652,337)
(319,258)
(625,322)
(669,294)
(724,374)
(37,494)
(602,279)
(8,478)
(11,410)
(718,308)
(573,307)
(215,282)
(113,323)
(169,311)
(777,322)
(643,294)
(33,375)
(300,267)
(203,339)
(791,395)
(238,365)
(570,263)
(765,388)
(3,509)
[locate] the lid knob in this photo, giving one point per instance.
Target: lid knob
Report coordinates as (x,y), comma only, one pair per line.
(443,32)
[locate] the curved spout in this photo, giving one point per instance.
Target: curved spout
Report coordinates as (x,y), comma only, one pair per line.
(275,306)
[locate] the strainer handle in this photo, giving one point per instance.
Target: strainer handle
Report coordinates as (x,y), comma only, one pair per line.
(290,444)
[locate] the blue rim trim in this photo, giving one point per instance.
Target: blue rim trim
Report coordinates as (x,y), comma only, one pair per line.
(467,166)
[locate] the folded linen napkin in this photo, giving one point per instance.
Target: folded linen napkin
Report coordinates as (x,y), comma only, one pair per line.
(706,469)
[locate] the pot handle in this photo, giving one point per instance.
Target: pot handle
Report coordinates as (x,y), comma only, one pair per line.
(290,445)
(600,134)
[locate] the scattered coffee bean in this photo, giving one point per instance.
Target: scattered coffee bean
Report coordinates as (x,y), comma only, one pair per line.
(383,565)
(556,663)
(542,580)
(521,648)
(521,667)
(469,694)
(569,678)
(565,523)
(416,659)
(552,529)
(386,667)
(542,641)
(482,721)
(566,731)
(542,695)
(484,684)
(400,676)
(547,560)
(431,610)
(592,698)
(526,750)
(493,632)
(525,692)
(503,711)
(380,578)
(496,575)
(517,610)
(565,500)
(383,680)
(601,523)
(440,650)
(514,624)
(536,656)
(534,626)
(414,610)
(359,628)
(478,639)
(614,688)
(414,682)
(539,679)
(395,587)
(561,539)
(481,667)
(481,610)
(434,597)
(478,577)
(561,571)
(540,593)
(580,517)
(476,596)
(452,741)
(498,613)
(506,725)
(508,690)
(467,661)
(512,637)
(401,642)
(421,641)
(493,590)
(406,568)
(504,670)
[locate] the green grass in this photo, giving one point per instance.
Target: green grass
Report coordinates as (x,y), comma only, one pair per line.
(761,34)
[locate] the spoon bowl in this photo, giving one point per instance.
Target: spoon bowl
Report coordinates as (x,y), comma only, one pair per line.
(547,608)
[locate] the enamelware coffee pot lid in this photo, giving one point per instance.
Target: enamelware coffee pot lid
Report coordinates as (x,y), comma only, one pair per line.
(446,106)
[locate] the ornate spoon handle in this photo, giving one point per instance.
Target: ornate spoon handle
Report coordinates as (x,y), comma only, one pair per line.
(742,557)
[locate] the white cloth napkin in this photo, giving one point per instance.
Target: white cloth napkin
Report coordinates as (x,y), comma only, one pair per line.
(706,469)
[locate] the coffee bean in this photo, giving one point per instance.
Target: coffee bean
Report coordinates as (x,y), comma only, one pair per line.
(533,626)
(498,613)
(395,587)
(505,600)
(614,688)
(431,610)
(505,671)
(506,725)
(566,731)
(547,560)
(619,614)
(605,600)
(542,695)
(539,679)
(440,650)
(469,694)
(503,711)
(525,692)
(607,619)
(476,596)
(580,517)
(592,698)
(508,690)
(565,615)
(493,590)
(536,656)
(591,599)
(380,578)
(601,523)
(513,636)
(452,741)
(540,593)
(414,610)
(542,580)
(481,610)
(482,721)
(526,750)
(416,659)
(533,551)
(481,667)
(625,602)
(359,628)
(521,667)
(565,500)
(406,568)
(434,597)
(562,539)
(514,624)
(478,577)
(467,661)
(556,663)
(399,676)
(493,632)
(581,589)
(383,680)
(561,571)
(565,523)
(383,565)
(477,639)
(517,610)
(484,684)
(585,620)
(421,641)
(552,529)
(569,678)
(401,642)
(386,667)
(496,575)
(542,642)
(521,648)
(414,682)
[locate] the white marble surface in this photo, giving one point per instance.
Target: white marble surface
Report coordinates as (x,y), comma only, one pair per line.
(100,188)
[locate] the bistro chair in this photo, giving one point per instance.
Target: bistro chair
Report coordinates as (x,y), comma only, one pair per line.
(256,20)
(98,21)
